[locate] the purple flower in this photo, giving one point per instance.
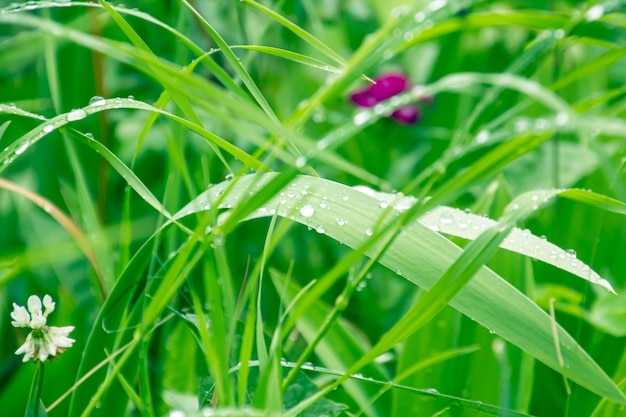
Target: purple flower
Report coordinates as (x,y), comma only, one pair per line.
(385,87)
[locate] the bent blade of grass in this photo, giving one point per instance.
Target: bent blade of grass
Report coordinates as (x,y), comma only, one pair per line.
(291,56)
(422,255)
(65,222)
(459,223)
(214,99)
(19,146)
(3,128)
(530,19)
(301,33)
(445,288)
(235,63)
(125,172)
(528,57)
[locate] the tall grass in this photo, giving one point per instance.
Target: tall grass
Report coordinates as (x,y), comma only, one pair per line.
(230,235)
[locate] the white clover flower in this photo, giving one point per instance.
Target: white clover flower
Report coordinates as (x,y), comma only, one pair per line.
(44,341)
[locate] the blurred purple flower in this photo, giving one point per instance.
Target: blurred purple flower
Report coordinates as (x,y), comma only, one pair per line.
(385,87)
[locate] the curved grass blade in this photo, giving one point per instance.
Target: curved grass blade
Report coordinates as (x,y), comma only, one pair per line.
(301,33)
(65,222)
(459,223)
(422,256)
(9,154)
(291,56)
(234,62)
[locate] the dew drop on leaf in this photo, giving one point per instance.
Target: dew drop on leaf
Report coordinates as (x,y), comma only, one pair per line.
(76,114)
(307,210)
(97,101)
(445,218)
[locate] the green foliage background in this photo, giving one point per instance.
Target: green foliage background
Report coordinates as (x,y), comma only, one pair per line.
(185,286)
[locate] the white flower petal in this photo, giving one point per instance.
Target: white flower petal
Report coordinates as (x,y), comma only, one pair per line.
(58,336)
(48,305)
(28,348)
(37,322)
(34,305)
(20,316)
(43,342)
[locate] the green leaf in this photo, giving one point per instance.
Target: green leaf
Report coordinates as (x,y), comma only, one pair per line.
(422,256)
(35,407)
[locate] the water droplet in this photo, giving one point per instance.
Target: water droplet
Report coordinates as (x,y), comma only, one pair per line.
(521,125)
(419,17)
(322,144)
(542,124)
(436,5)
(368,231)
(320,229)
(559,34)
(341,222)
(594,13)
(323,205)
(561,119)
(319,115)
(399,11)
(571,253)
(22,148)
(384,204)
(433,228)
(379,109)
(482,137)
(345,198)
(301,162)
(76,114)
(431,390)
(307,210)
(445,218)
(97,101)
(361,286)
(361,117)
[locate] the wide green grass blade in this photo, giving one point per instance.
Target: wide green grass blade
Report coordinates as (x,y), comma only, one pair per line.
(422,256)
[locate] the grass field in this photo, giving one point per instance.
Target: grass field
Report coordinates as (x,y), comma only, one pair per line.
(313,208)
